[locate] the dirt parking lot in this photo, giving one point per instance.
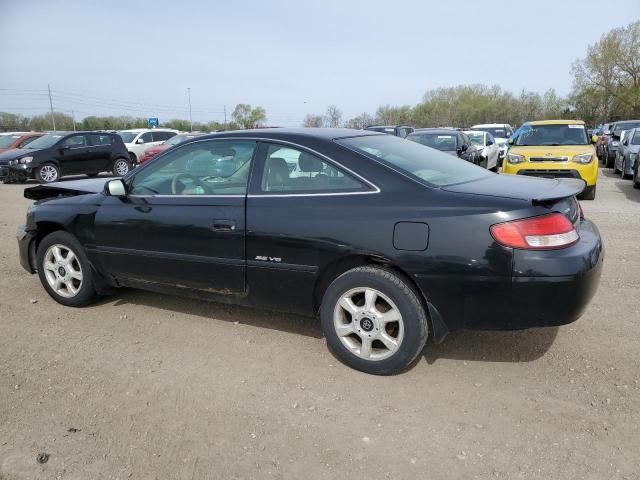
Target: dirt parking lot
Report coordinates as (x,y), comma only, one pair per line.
(147,386)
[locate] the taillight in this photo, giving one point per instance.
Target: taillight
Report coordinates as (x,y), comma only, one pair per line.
(545,232)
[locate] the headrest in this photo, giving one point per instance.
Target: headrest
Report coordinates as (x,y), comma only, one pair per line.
(309,163)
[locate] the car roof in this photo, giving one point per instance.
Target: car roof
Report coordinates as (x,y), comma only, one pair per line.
(285,133)
(441,131)
(556,122)
(491,125)
(388,126)
(143,130)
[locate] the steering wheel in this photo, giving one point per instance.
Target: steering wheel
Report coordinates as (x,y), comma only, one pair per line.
(196,180)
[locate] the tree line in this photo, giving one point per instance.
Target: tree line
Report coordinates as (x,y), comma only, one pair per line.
(243,116)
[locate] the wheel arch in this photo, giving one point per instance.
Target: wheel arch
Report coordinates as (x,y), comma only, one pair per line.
(334,269)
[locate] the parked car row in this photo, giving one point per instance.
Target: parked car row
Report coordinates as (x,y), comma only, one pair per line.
(619,147)
(48,157)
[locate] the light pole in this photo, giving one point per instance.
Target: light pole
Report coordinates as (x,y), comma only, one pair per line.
(190,117)
(53,118)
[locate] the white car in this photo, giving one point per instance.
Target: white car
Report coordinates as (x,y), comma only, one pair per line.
(137,140)
(487,146)
(501,132)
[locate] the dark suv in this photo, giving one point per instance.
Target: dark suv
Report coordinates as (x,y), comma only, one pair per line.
(613,140)
(398,130)
(58,154)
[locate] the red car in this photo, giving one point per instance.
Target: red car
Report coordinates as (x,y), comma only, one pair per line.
(9,141)
(151,152)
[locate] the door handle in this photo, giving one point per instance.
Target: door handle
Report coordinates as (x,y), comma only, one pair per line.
(224,225)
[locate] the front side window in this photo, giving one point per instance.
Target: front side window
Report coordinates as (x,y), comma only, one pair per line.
(146,137)
(289,170)
(74,141)
(553,135)
(213,167)
(424,164)
(636,138)
(443,142)
(128,137)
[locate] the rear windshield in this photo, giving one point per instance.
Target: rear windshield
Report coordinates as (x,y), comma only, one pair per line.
(552,135)
(497,132)
(619,127)
(425,164)
(6,140)
(439,141)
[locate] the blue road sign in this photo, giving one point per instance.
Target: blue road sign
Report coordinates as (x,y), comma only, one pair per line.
(153,122)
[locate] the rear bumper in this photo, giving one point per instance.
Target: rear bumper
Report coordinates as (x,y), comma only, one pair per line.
(547,288)
(26,248)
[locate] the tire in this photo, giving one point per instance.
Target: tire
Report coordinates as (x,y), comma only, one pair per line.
(47,173)
(388,292)
(121,166)
(72,291)
(636,175)
(589,193)
(133,158)
(623,174)
(615,167)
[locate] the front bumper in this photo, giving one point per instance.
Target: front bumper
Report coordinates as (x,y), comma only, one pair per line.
(27,248)
(587,172)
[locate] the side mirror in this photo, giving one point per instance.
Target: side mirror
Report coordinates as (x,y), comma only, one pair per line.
(115,188)
(489,143)
(463,147)
(66,147)
(508,134)
(510,141)
(139,141)
(594,138)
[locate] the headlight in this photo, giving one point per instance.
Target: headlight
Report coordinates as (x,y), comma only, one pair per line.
(583,158)
(24,160)
(515,158)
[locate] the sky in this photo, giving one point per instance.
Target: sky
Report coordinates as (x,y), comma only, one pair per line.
(291,57)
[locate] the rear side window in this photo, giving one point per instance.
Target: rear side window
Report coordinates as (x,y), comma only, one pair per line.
(75,141)
(425,164)
(289,170)
(162,136)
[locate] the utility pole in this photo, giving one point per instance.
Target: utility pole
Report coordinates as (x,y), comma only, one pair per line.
(73,119)
(53,118)
(190,118)
(225,117)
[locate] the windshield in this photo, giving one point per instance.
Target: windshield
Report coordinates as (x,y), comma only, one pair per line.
(477,138)
(442,142)
(179,139)
(127,137)
(620,127)
(553,135)
(496,132)
(427,165)
(8,140)
(44,142)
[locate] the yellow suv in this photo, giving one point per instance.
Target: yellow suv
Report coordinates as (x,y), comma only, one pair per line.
(554,149)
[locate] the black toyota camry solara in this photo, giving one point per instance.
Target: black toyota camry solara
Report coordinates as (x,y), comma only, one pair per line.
(388,241)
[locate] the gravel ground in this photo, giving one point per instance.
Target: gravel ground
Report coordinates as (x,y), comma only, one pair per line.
(148,386)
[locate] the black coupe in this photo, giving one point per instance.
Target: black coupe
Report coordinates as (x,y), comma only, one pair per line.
(389,241)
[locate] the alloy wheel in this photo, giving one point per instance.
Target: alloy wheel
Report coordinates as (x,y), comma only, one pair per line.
(122,167)
(62,270)
(48,173)
(368,323)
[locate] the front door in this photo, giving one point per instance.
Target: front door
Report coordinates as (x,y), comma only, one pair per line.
(181,223)
(72,154)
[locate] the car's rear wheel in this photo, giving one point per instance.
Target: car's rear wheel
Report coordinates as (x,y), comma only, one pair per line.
(64,270)
(121,167)
(374,320)
(47,173)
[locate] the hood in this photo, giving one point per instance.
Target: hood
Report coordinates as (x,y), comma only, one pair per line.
(568,151)
(15,153)
(67,189)
(535,190)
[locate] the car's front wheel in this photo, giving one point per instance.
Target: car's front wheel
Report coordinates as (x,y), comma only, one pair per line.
(624,169)
(47,173)
(64,270)
(121,167)
(374,320)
